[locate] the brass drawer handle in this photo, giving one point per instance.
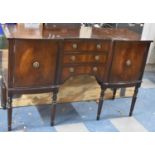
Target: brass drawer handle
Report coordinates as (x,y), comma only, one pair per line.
(95,69)
(128,63)
(97,57)
(72,58)
(36,64)
(98,46)
(74,46)
(71,70)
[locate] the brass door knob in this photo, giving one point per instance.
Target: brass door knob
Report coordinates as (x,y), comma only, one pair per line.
(36,64)
(128,63)
(73,57)
(98,46)
(95,69)
(74,46)
(97,57)
(71,70)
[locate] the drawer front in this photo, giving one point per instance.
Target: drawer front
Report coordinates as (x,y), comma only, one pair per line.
(128,61)
(96,70)
(87,58)
(86,45)
(35,63)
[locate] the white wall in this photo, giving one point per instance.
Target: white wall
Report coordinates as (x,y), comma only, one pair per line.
(149,34)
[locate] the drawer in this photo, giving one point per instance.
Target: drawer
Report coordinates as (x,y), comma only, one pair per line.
(128,61)
(86,45)
(35,63)
(87,58)
(96,70)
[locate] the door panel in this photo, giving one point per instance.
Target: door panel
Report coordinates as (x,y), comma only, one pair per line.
(35,63)
(128,60)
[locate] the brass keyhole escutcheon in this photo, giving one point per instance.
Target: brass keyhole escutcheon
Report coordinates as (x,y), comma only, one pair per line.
(98,46)
(74,46)
(36,64)
(97,57)
(71,70)
(128,63)
(95,69)
(72,58)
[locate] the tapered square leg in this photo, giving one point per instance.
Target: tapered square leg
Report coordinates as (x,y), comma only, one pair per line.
(9,109)
(134,98)
(54,101)
(100,104)
(114,93)
(53,114)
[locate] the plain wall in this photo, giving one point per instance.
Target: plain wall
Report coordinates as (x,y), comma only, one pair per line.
(149,34)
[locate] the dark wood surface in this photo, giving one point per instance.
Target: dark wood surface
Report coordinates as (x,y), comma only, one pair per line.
(42,59)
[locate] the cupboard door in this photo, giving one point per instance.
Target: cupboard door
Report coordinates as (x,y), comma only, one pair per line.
(35,63)
(129,58)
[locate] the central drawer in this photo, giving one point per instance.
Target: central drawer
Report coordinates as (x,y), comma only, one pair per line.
(96,70)
(86,45)
(84,58)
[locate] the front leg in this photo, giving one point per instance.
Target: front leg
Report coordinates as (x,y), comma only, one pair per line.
(100,104)
(133,100)
(9,108)
(114,93)
(54,101)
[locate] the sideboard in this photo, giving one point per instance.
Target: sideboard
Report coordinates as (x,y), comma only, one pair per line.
(41,59)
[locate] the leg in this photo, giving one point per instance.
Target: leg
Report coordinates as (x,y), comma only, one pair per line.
(101,100)
(54,101)
(3,95)
(133,101)
(114,93)
(9,112)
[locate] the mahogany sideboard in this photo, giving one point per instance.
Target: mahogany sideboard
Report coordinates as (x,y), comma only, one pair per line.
(41,59)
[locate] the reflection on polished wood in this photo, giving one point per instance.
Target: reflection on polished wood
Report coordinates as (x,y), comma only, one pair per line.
(20,31)
(41,59)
